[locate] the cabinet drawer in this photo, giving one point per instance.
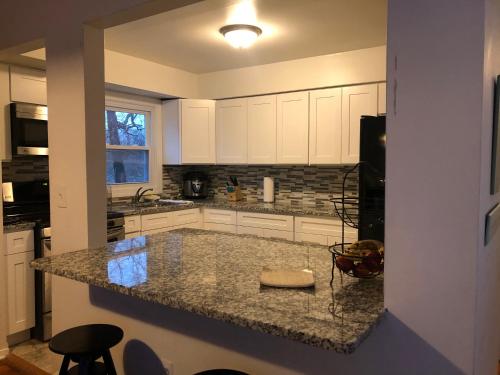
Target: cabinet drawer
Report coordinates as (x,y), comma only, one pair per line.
(132,223)
(325,227)
(19,242)
(319,239)
(219,216)
(229,228)
(156,221)
(186,216)
(266,221)
(20,292)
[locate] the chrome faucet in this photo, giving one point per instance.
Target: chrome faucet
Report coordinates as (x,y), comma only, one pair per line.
(139,194)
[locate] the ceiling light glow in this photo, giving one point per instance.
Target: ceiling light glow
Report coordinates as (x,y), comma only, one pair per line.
(240,35)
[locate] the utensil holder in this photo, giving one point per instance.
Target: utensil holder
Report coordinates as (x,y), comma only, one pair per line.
(236,195)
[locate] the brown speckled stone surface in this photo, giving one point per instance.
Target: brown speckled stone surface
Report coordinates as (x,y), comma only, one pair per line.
(217,275)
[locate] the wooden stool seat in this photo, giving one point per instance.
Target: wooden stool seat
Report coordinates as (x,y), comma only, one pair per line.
(221,372)
(84,344)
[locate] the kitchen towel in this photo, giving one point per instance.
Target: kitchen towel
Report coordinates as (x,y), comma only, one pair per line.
(268,189)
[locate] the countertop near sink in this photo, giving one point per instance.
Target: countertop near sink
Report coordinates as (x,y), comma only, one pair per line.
(217,275)
(246,206)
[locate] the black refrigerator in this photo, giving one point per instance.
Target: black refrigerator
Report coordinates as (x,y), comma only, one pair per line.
(372,178)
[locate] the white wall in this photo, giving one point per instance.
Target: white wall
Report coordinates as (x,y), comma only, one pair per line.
(134,73)
(437,174)
(346,68)
(488,339)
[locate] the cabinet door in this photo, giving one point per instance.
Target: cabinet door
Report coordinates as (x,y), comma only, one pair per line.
(197,131)
(28,85)
(20,292)
(293,128)
(231,131)
(356,102)
(132,224)
(382,98)
(325,127)
(262,130)
(5,150)
(156,221)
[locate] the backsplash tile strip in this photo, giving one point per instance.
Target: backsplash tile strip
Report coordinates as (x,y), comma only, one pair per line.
(25,168)
(306,185)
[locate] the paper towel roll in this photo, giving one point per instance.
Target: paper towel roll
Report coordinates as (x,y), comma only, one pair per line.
(268,189)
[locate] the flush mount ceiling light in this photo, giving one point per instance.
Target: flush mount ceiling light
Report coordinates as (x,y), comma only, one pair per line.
(240,35)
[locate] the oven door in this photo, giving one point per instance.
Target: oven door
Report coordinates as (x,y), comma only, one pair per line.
(116,234)
(29,129)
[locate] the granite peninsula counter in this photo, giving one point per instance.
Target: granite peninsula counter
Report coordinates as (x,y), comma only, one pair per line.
(217,275)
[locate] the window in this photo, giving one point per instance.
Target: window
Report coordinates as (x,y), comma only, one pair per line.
(133,144)
(127,154)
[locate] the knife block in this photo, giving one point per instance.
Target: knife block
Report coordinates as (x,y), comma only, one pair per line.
(236,195)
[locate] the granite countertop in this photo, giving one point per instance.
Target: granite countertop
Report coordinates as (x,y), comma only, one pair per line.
(17,227)
(217,275)
(247,206)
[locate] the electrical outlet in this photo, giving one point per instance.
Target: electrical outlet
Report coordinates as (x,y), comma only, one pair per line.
(168,365)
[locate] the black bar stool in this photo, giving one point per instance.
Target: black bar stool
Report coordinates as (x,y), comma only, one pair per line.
(84,345)
(221,371)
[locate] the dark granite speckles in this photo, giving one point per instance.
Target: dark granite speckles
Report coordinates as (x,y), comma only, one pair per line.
(217,275)
(18,227)
(297,209)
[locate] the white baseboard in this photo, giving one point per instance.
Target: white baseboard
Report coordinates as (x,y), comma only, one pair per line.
(4,352)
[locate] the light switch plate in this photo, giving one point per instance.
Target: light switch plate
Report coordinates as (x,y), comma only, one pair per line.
(61,197)
(492,223)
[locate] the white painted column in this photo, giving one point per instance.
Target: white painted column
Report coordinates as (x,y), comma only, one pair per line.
(77,160)
(75,81)
(438,161)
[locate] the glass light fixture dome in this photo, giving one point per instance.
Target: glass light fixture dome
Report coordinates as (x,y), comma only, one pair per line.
(240,35)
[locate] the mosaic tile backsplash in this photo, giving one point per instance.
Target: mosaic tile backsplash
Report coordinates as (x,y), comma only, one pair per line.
(25,168)
(307,185)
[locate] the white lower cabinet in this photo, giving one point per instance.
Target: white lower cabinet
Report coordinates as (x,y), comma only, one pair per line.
(267,221)
(132,224)
(19,252)
(165,221)
(322,231)
(265,225)
(156,221)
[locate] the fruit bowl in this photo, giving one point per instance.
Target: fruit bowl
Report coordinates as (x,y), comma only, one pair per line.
(362,259)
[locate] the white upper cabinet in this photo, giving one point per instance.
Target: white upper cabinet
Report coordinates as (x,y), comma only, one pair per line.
(231,131)
(28,85)
(262,130)
(189,131)
(356,102)
(325,126)
(5,150)
(292,128)
(382,98)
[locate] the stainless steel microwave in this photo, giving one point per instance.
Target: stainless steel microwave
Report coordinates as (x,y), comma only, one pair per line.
(28,129)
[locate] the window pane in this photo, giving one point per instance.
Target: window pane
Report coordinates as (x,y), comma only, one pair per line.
(127,166)
(125,128)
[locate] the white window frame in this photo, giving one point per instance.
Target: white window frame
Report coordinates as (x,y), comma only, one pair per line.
(152,108)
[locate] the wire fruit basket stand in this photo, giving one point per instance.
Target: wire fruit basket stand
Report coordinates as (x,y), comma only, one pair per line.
(362,259)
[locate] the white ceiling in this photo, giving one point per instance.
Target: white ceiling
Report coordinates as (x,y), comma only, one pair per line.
(188,38)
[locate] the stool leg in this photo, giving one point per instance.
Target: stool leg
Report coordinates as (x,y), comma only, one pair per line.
(64,365)
(108,362)
(84,365)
